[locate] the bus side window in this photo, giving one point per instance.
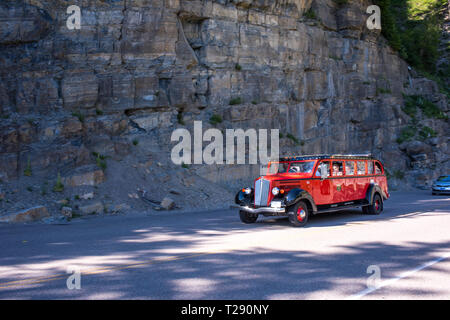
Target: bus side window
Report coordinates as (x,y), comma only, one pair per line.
(370,167)
(350,168)
(361,168)
(325,165)
(338,168)
(378,169)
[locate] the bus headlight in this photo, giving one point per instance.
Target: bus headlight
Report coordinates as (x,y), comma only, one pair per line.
(275,191)
(247,190)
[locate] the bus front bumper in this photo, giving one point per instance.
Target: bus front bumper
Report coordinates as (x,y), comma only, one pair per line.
(264,210)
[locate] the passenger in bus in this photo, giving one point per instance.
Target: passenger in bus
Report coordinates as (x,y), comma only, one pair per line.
(336,170)
(361,167)
(377,168)
(350,168)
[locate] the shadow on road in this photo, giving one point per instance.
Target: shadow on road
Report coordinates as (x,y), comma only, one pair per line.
(214,272)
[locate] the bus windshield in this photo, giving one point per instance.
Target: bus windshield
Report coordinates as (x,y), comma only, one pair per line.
(278,167)
(291,167)
(302,167)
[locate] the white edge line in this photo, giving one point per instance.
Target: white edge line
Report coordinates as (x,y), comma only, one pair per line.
(401,276)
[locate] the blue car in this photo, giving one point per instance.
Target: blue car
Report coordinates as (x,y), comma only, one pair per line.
(441,185)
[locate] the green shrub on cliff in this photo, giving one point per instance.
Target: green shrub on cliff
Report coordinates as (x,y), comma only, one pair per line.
(310,14)
(28,172)
(413,28)
(429,109)
(235,101)
(426,132)
(389,26)
(340,2)
(407,134)
(59,187)
(215,119)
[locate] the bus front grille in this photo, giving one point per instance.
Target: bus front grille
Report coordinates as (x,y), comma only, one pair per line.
(261,192)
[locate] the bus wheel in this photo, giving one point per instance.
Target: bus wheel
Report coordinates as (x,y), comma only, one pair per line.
(376,207)
(247,217)
(298,214)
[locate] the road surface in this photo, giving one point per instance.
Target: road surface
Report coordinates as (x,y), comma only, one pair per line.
(404,253)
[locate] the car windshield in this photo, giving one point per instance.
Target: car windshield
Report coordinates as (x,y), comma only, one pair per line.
(444,179)
(291,167)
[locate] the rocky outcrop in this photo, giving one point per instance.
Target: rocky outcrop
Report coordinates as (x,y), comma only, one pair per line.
(22,23)
(138,69)
(28,215)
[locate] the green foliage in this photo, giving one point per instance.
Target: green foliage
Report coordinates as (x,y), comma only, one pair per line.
(293,138)
(184,166)
(235,101)
(215,119)
(75,216)
(98,155)
(238,67)
(382,91)
(135,142)
(79,115)
(389,26)
(99,112)
(439,79)
(340,2)
(417,9)
(310,14)
(412,132)
(407,134)
(44,190)
(410,107)
(421,41)
(413,28)
(444,70)
(180,118)
(334,57)
(59,187)
(426,133)
(429,109)
(100,160)
(28,172)
(399,174)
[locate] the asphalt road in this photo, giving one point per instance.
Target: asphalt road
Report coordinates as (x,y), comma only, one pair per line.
(404,253)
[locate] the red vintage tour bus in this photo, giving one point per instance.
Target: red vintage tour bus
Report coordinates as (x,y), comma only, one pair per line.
(299,186)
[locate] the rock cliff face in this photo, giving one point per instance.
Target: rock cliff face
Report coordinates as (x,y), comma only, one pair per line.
(138,69)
